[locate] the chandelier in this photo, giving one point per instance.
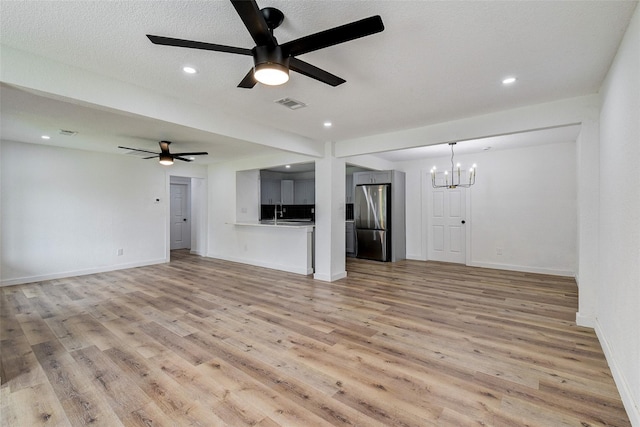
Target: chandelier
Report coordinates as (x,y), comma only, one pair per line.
(455,173)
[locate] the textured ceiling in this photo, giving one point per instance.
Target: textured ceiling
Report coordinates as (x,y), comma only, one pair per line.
(435,61)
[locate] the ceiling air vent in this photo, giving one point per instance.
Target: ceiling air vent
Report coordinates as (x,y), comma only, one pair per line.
(67,132)
(290,103)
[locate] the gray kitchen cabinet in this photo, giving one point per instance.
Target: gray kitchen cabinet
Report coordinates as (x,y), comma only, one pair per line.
(287,191)
(305,192)
(348,191)
(270,191)
(350,241)
(373,177)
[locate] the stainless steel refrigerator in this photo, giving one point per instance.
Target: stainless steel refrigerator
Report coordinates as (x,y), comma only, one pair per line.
(372,217)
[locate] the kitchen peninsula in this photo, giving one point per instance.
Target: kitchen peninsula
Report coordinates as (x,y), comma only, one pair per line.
(283,246)
(284,243)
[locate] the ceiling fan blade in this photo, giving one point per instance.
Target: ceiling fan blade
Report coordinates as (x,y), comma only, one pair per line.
(334,36)
(199,153)
(152,157)
(137,149)
(180,158)
(314,72)
(249,81)
(168,41)
(254,21)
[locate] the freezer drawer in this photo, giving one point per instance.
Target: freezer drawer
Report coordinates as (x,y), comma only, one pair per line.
(373,244)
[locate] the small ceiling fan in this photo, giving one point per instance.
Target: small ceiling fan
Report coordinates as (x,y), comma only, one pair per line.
(272,61)
(166,157)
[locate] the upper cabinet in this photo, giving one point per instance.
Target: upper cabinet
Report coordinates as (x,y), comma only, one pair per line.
(373,177)
(287,191)
(305,192)
(348,191)
(270,191)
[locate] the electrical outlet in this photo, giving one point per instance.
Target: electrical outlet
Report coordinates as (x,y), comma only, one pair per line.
(498,251)
(120,252)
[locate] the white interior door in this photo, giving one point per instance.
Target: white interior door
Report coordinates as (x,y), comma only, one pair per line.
(180,220)
(447,237)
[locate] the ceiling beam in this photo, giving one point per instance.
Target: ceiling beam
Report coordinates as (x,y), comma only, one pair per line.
(26,70)
(534,117)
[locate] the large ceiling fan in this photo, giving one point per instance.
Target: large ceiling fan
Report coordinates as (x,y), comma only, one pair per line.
(166,157)
(272,61)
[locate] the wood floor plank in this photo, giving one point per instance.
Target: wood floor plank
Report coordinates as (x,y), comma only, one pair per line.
(20,368)
(81,402)
(111,381)
(33,406)
(207,342)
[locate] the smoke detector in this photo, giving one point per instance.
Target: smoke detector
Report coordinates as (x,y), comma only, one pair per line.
(67,132)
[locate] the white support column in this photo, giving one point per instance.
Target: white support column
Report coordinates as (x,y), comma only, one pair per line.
(588,164)
(330,217)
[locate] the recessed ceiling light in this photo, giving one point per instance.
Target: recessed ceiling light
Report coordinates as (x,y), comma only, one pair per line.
(509,80)
(189,70)
(328,124)
(45,137)
(192,158)
(288,166)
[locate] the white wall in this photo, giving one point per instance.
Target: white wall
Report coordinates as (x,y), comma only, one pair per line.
(618,302)
(67,212)
(248,195)
(524,201)
(526,205)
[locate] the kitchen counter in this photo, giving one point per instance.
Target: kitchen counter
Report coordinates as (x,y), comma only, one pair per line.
(286,246)
(281,223)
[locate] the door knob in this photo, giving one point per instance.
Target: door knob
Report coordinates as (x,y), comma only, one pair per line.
(463,221)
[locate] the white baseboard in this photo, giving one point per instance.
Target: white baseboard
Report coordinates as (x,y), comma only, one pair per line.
(416,257)
(197,252)
(633,411)
(587,321)
(330,278)
(523,269)
(84,272)
(273,266)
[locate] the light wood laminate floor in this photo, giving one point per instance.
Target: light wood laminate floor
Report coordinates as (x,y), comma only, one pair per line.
(203,342)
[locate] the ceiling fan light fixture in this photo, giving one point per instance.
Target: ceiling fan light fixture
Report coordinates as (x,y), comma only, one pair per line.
(166,159)
(271,74)
(270,66)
